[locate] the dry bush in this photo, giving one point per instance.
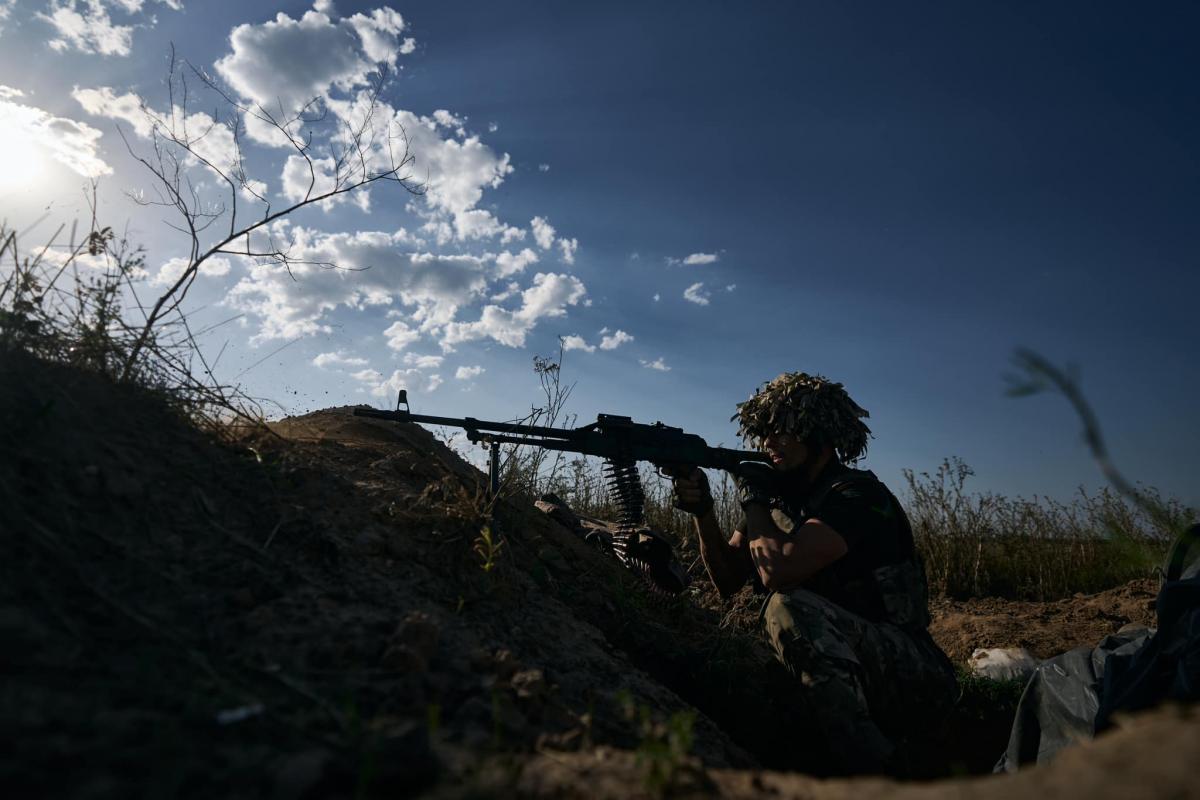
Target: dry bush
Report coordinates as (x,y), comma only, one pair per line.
(76,302)
(983,544)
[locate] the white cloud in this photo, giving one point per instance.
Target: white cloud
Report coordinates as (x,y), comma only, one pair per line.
(288,62)
(6,7)
(543,167)
(657,364)
(86,26)
(576,342)
(423,362)
(168,273)
(549,296)
(730,287)
(467,373)
(615,340)
(378,269)
(568,246)
(209,139)
(701,258)
(27,132)
(696,294)
(510,264)
(409,379)
(543,232)
(400,336)
(657,297)
(447,120)
(493,127)
(510,290)
(300,181)
(338,359)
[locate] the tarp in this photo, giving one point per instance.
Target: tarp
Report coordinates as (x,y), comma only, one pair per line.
(1073,696)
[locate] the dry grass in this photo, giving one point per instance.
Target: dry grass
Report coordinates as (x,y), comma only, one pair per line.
(77,301)
(974,544)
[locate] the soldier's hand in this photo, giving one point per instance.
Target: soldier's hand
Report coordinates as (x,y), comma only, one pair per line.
(691,493)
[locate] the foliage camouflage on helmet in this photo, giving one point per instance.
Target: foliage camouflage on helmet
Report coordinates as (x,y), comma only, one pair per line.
(804,405)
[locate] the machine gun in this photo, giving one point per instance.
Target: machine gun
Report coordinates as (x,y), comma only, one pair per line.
(622,443)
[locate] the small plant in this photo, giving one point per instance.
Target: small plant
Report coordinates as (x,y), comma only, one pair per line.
(980,697)
(487,547)
(663,745)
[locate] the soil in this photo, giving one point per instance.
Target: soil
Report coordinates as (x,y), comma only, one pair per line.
(1044,629)
(314,611)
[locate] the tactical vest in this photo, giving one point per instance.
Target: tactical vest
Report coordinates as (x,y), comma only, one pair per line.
(900,590)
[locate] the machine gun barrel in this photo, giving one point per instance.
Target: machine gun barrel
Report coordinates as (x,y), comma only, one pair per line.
(614,438)
(468,423)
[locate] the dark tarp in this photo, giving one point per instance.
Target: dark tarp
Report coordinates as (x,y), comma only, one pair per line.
(1073,696)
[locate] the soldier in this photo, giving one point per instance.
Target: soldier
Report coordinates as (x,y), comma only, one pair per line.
(848,612)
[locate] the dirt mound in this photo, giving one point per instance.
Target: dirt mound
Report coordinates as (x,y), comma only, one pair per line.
(1129,763)
(333,608)
(1045,629)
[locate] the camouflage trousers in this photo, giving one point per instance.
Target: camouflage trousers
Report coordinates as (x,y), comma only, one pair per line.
(863,685)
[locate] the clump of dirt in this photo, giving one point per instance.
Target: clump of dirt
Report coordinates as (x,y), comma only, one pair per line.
(333,607)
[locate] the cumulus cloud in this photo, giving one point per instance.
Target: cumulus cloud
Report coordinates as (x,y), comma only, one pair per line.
(400,336)
(211,141)
(568,247)
(27,131)
(422,362)
(657,364)
(88,28)
(511,289)
(615,340)
(657,297)
(338,359)
(543,232)
(549,296)
(696,294)
(86,25)
(511,263)
(408,379)
(171,271)
(467,373)
(377,269)
(730,287)
(543,167)
(576,342)
(288,62)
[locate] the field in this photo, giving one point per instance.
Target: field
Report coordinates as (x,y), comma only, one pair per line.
(194,602)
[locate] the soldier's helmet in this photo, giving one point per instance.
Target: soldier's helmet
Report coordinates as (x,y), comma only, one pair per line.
(808,407)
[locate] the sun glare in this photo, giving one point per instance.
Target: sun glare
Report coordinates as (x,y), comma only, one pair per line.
(22,159)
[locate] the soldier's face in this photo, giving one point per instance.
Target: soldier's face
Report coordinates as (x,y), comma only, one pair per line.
(787,452)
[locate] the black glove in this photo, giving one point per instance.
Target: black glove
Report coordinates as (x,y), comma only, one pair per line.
(757,484)
(690,493)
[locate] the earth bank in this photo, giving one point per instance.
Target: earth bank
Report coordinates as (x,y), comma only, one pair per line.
(305,612)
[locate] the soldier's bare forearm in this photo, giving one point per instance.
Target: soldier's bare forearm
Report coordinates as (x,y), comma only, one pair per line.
(726,565)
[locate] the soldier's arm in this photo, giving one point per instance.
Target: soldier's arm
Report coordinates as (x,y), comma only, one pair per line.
(725,561)
(784,561)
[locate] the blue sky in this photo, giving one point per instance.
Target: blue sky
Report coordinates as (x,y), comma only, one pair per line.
(893,195)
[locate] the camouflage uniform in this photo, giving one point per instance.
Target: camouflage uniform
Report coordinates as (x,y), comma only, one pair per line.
(854,636)
(867,678)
